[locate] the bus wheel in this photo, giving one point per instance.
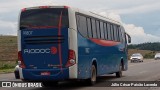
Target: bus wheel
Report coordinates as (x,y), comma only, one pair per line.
(93,78)
(50,83)
(119,73)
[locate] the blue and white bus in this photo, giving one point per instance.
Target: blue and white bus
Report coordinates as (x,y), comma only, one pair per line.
(58,43)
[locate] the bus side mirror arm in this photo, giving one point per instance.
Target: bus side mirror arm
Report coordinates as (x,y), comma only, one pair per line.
(129,38)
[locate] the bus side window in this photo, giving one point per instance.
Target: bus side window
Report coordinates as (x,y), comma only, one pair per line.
(102,30)
(83,26)
(115,32)
(98,29)
(77,21)
(112,34)
(94,28)
(89,28)
(118,37)
(122,34)
(109,31)
(105,31)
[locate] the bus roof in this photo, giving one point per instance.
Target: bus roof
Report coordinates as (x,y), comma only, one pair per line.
(76,10)
(41,7)
(93,14)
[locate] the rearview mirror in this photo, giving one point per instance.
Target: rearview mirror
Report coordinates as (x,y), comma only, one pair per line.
(128,38)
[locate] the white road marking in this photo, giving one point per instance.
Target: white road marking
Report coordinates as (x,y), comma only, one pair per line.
(143,72)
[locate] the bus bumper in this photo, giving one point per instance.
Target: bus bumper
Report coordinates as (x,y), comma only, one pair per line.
(36,74)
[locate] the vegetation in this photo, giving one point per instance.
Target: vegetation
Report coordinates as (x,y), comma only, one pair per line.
(8,48)
(146,46)
(6,70)
(150,55)
(7,64)
(8,53)
(148,50)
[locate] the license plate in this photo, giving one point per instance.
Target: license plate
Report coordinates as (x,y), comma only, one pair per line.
(45,73)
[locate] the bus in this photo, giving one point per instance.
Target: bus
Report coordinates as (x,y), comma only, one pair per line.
(57,43)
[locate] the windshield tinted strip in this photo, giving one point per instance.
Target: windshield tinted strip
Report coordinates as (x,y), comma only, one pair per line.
(43,18)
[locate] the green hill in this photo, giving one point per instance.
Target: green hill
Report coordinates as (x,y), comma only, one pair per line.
(146,46)
(148,50)
(148,54)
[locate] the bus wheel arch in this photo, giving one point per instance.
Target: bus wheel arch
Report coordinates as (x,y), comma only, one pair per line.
(95,64)
(122,62)
(93,76)
(121,68)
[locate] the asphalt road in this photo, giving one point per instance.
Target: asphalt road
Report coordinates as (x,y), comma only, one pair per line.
(149,70)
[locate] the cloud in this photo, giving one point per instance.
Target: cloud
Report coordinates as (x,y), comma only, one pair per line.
(138,9)
(118,6)
(9,28)
(9,6)
(111,15)
(137,33)
(112,8)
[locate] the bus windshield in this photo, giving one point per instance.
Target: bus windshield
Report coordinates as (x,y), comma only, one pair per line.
(43,18)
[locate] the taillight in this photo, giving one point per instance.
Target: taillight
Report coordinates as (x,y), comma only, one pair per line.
(66,7)
(43,6)
(20,60)
(24,9)
(71,58)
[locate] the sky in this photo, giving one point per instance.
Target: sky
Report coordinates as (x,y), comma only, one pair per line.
(140,18)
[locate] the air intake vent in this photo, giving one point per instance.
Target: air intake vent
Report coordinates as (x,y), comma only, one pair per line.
(44,39)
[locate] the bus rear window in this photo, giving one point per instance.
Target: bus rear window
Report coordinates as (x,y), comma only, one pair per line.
(43,18)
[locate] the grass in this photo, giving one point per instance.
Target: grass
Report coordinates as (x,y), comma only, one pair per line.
(11,70)
(147,54)
(7,66)
(8,48)
(8,53)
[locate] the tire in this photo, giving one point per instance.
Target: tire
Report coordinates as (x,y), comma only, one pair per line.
(93,79)
(16,73)
(17,77)
(119,73)
(24,80)
(50,83)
